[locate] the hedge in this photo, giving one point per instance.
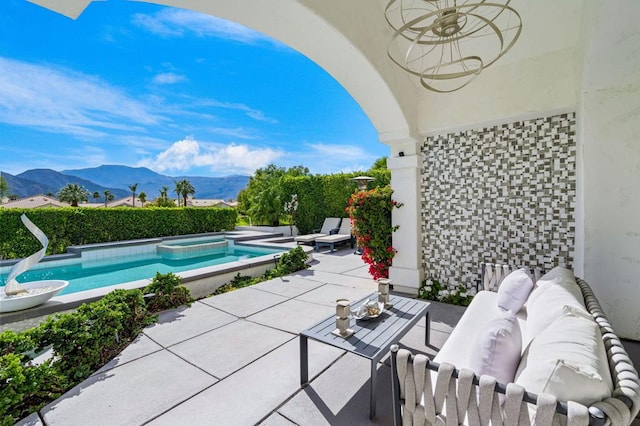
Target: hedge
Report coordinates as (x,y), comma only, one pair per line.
(77,226)
(322,196)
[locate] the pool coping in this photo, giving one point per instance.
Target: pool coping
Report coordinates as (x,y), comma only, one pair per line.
(73,300)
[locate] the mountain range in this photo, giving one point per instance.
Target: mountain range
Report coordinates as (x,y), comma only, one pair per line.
(117,180)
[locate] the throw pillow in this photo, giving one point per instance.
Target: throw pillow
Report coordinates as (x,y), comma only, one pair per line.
(514,290)
(546,303)
(567,360)
(498,348)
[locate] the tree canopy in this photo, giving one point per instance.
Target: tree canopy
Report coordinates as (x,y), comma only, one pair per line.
(73,194)
(183,189)
(264,198)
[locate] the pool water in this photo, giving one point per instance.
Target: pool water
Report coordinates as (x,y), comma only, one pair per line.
(93,274)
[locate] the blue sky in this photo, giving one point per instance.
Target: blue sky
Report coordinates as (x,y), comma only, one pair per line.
(176,91)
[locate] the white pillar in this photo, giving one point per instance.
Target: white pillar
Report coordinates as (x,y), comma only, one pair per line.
(405,164)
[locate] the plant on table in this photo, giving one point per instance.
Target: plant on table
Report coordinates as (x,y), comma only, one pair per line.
(370,213)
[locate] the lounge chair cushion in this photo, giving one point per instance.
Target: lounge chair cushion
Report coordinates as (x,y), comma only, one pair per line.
(329,224)
(344,234)
(308,238)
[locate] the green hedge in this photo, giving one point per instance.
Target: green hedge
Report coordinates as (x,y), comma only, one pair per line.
(77,226)
(322,196)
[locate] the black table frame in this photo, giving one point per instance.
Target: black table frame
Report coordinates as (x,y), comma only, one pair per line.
(372,338)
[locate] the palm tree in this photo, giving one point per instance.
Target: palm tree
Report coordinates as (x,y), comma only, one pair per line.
(164,192)
(4,187)
(133,187)
(96,195)
(143,198)
(73,193)
(184,188)
(108,196)
(178,190)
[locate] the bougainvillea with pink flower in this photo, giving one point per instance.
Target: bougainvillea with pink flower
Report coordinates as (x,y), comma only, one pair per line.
(370,213)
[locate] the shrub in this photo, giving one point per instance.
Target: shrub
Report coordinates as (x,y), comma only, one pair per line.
(292,261)
(237,282)
(88,338)
(433,290)
(370,213)
(168,292)
(82,342)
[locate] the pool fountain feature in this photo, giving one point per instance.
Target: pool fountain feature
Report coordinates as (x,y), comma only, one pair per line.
(15,296)
(191,249)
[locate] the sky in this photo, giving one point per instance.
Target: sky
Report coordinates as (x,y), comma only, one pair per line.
(176,91)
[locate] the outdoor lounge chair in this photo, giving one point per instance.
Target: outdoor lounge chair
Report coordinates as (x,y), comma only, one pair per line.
(343,235)
(330,226)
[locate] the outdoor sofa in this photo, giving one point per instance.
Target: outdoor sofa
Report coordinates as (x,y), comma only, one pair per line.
(556,361)
(330,226)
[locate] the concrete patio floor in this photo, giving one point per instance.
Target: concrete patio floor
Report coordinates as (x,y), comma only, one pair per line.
(233,359)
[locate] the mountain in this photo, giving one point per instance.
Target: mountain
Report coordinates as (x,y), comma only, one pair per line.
(25,187)
(150,182)
(119,176)
(57,180)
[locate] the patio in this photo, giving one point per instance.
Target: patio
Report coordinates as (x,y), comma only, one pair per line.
(233,359)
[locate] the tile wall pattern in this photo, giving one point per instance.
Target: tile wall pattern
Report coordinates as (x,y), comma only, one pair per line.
(502,194)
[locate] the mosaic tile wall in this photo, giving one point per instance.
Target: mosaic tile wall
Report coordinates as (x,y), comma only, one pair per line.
(501,194)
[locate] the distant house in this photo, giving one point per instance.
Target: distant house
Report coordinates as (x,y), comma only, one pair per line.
(34,202)
(91,205)
(125,202)
(209,203)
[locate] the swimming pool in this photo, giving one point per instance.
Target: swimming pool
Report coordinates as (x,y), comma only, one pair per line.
(108,267)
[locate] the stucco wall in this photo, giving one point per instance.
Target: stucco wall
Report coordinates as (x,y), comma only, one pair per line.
(610,144)
(540,84)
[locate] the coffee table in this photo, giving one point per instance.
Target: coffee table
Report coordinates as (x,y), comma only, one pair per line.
(372,338)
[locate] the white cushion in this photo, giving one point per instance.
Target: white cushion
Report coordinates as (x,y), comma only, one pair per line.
(568,360)
(552,293)
(497,349)
(483,309)
(514,290)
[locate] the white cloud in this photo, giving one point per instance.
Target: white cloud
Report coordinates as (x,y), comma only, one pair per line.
(331,158)
(237,132)
(177,23)
(220,159)
(168,78)
(250,112)
(340,151)
(62,100)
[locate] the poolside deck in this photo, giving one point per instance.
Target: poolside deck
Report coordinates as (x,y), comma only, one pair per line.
(233,360)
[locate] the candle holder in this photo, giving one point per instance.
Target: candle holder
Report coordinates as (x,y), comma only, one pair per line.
(383,292)
(343,310)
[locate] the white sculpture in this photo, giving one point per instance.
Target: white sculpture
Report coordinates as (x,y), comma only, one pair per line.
(18,296)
